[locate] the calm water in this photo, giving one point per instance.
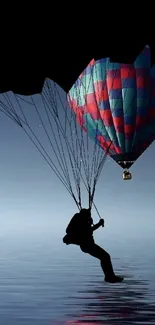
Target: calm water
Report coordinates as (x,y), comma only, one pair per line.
(43,282)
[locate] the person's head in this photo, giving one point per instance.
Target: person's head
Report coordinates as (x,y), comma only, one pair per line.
(86,214)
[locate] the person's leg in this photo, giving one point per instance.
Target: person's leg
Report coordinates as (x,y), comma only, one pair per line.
(98,252)
(106,264)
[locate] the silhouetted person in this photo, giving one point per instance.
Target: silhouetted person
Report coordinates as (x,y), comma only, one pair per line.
(80,232)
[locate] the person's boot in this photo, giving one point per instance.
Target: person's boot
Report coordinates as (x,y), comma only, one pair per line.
(113,279)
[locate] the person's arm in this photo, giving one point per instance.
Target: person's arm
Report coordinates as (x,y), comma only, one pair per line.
(99,224)
(96,226)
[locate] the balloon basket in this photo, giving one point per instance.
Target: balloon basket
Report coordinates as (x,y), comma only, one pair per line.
(127,175)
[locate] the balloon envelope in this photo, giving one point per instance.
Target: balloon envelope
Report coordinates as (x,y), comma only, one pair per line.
(115,104)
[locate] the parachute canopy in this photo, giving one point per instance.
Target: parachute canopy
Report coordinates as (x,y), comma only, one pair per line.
(115,104)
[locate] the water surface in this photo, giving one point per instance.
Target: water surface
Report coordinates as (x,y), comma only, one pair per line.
(43,282)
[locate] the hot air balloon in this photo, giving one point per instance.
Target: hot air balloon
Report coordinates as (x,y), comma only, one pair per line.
(115,104)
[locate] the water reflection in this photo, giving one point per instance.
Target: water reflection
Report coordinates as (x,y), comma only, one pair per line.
(127,303)
(43,286)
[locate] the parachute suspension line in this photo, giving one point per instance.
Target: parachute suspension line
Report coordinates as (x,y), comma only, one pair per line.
(91,194)
(81,146)
(84,156)
(23,99)
(100,165)
(56,172)
(70,150)
(96,170)
(82,151)
(62,149)
(65,164)
(74,150)
(62,163)
(87,144)
(19,120)
(78,161)
(97,177)
(102,156)
(12,109)
(45,154)
(64,138)
(96,159)
(77,167)
(34,105)
(7,111)
(75,173)
(11,117)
